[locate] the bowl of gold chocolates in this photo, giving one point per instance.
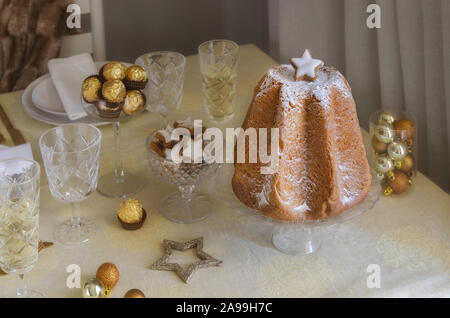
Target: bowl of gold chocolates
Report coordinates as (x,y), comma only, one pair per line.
(115,92)
(393,150)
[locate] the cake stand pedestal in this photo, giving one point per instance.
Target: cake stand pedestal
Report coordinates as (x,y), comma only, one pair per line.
(287,237)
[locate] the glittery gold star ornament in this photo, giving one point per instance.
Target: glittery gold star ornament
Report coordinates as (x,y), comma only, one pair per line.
(306,67)
(206,260)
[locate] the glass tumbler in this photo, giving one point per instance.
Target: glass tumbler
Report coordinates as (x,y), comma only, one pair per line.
(19,220)
(218,67)
(165,72)
(70,154)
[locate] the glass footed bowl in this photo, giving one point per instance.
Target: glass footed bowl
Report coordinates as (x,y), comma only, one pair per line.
(186,205)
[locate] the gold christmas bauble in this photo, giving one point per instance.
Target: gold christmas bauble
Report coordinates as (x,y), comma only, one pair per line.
(383,164)
(397,150)
(387,117)
(93,288)
(406,164)
(134,293)
(384,133)
(404,128)
(399,183)
(378,146)
(108,275)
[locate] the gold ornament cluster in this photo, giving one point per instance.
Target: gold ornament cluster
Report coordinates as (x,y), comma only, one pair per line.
(105,279)
(393,142)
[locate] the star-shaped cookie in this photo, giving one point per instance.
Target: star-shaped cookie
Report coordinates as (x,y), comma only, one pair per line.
(206,260)
(306,67)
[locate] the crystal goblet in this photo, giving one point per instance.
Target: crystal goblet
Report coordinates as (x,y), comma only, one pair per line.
(70,154)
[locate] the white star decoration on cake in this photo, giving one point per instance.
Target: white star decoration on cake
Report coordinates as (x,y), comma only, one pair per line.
(306,67)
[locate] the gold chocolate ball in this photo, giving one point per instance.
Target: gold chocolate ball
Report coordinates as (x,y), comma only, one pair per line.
(136,73)
(387,117)
(404,128)
(114,71)
(108,275)
(134,102)
(378,146)
(407,164)
(114,91)
(399,183)
(134,293)
(384,133)
(91,89)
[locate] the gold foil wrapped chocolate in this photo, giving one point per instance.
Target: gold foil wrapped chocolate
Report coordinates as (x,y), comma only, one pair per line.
(114,91)
(134,102)
(130,211)
(91,89)
(114,71)
(136,73)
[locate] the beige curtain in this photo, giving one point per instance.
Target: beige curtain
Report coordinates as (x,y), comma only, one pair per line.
(403,65)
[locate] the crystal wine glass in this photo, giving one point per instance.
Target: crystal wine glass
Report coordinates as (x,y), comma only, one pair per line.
(19,220)
(70,153)
(165,71)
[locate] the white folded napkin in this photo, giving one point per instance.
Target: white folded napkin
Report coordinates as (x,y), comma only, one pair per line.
(22,151)
(67,75)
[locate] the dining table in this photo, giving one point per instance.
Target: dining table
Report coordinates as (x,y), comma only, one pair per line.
(399,248)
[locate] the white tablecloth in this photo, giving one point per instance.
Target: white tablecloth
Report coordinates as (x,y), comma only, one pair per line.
(406,235)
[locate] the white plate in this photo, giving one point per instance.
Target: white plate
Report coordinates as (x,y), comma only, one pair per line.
(46,117)
(46,98)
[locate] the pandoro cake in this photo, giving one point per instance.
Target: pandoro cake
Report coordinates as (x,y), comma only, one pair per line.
(322,165)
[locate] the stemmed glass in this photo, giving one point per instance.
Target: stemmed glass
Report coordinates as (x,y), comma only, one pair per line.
(119,183)
(19,220)
(70,153)
(165,71)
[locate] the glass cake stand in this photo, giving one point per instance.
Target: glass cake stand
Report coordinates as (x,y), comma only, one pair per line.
(287,237)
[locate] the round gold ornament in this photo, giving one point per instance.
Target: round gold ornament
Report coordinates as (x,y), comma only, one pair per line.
(134,293)
(383,164)
(113,71)
(387,117)
(399,183)
(378,146)
(404,128)
(406,165)
(93,288)
(384,133)
(108,275)
(397,150)
(114,91)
